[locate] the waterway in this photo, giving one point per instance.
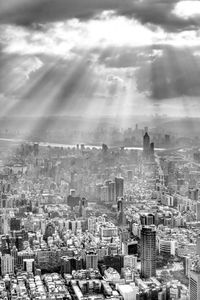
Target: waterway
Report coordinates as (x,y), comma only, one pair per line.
(46,144)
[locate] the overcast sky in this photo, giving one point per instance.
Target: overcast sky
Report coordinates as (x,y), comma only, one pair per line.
(99,57)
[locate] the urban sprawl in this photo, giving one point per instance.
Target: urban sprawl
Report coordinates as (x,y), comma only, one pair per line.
(98,223)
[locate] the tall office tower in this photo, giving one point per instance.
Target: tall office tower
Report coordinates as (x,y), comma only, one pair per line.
(151,149)
(82,206)
(92,224)
(121,215)
(194,286)
(146,144)
(14,253)
(104,193)
(92,260)
(148,251)
(112,191)
(119,182)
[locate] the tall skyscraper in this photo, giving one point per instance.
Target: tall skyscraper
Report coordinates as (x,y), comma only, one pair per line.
(112,191)
(105,193)
(148,251)
(194,285)
(119,182)
(121,215)
(146,144)
(151,149)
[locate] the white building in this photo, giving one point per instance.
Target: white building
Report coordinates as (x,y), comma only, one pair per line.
(7,264)
(194,285)
(167,246)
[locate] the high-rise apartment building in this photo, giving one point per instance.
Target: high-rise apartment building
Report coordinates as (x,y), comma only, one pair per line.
(112,191)
(92,223)
(148,251)
(7,264)
(119,182)
(91,260)
(195,285)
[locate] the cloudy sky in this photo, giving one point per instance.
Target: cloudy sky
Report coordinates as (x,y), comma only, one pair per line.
(99,57)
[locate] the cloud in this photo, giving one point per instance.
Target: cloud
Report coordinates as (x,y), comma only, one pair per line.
(187,9)
(148,12)
(62,38)
(106,33)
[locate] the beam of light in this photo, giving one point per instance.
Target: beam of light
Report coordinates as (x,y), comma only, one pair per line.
(6,105)
(57,94)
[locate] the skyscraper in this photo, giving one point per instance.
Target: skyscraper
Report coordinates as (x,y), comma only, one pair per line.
(148,251)
(121,215)
(151,149)
(119,183)
(194,285)
(146,144)
(112,191)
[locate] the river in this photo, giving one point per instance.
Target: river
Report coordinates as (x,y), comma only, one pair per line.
(46,144)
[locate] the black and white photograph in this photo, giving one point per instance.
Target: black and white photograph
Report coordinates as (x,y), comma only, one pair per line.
(100,149)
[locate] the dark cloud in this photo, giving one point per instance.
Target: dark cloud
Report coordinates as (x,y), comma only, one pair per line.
(160,12)
(176,73)
(156,12)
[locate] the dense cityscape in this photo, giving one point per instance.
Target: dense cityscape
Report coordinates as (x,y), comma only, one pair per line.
(100,223)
